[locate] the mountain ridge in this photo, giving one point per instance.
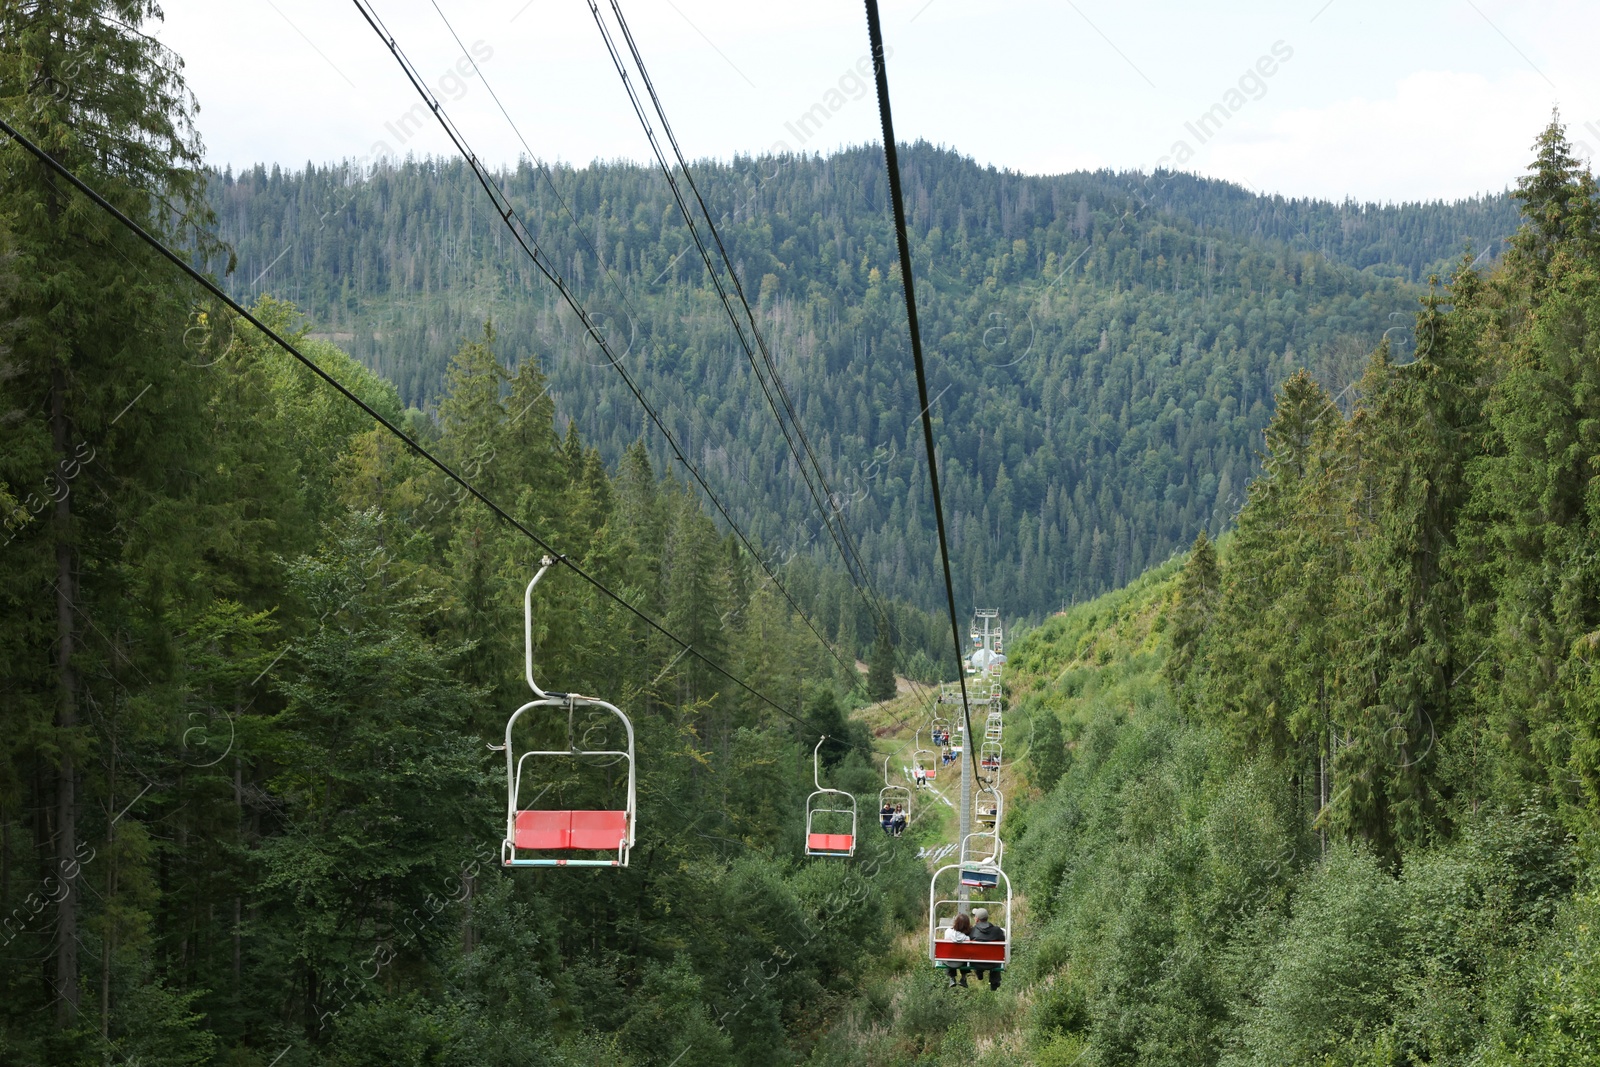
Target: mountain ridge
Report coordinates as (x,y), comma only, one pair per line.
(1103,360)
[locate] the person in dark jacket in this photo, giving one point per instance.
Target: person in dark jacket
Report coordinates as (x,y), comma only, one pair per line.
(886,816)
(984,930)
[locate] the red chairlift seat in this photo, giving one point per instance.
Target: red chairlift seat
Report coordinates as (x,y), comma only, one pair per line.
(602,831)
(958,952)
(942,909)
(831,844)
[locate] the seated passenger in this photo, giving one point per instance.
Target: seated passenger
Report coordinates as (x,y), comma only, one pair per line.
(956,932)
(984,930)
(886,816)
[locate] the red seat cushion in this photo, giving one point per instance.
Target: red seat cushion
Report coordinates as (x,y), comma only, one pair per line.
(543,829)
(933,772)
(974,951)
(600,830)
(830,842)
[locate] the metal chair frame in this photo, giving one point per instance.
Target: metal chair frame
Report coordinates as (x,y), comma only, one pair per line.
(982,848)
(924,759)
(893,794)
(992,814)
(813,809)
(516,763)
(964,953)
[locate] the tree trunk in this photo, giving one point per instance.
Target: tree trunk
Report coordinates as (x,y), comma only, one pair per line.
(66,953)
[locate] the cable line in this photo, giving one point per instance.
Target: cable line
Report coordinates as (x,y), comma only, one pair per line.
(892,162)
(216,291)
(529,244)
(842,538)
(722,292)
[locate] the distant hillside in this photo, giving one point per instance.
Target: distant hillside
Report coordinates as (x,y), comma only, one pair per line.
(1104,347)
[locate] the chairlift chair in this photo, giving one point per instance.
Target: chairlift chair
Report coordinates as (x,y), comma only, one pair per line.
(988,804)
(940,729)
(828,844)
(924,759)
(989,756)
(545,837)
(981,851)
(892,794)
(995,897)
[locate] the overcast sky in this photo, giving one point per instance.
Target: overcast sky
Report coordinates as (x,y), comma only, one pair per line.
(1394,100)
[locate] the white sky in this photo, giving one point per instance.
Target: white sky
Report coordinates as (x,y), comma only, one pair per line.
(1399,100)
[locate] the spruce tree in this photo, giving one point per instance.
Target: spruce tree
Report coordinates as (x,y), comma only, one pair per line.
(1047,752)
(1194,604)
(94,321)
(880,673)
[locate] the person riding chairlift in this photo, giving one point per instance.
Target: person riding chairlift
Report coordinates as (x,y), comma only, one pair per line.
(886,816)
(898,822)
(984,930)
(958,931)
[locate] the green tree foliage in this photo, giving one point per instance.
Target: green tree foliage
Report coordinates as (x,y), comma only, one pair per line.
(880,675)
(1182,909)
(254,649)
(1192,608)
(1104,347)
(1047,752)
(1331,796)
(1405,594)
(91,323)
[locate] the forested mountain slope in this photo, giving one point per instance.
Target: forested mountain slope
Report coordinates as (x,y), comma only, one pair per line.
(254,650)
(1104,348)
(1332,797)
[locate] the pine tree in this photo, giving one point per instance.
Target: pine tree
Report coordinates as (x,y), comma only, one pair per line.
(93,324)
(1558,201)
(880,673)
(1194,604)
(1047,751)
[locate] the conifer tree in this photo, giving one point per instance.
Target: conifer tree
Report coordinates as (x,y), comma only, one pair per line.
(91,321)
(880,673)
(1193,606)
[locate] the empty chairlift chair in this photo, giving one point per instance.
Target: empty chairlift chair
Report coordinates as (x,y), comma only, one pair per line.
(987,804)
(981,856)
(538,836)
(830,805)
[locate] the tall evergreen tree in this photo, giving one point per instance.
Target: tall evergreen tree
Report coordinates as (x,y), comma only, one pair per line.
(93,324)
(880,670)
(1194,604)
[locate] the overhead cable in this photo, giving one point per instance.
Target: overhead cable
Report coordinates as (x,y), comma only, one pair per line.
(216,291)
(530,246)
(892,162)
(842,538)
